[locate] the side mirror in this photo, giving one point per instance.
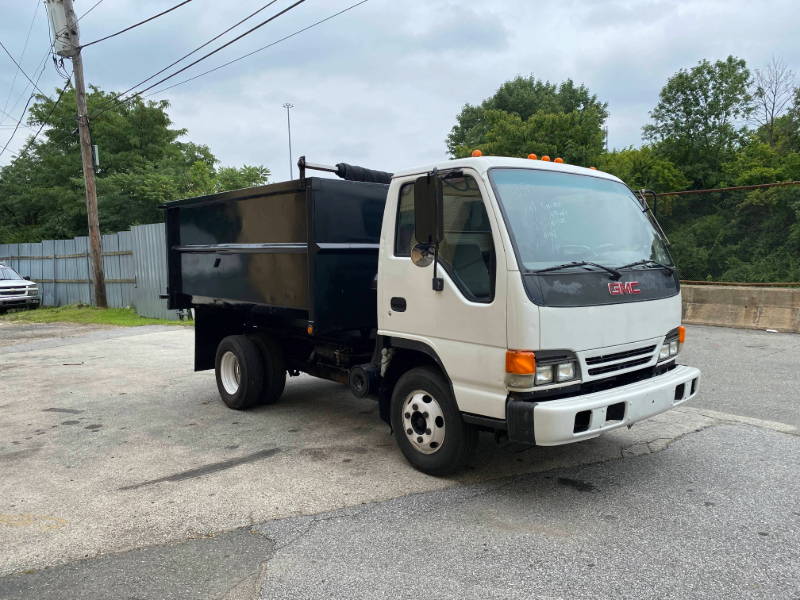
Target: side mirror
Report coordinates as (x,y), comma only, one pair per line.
(422,255)
(428,209)
(26,278)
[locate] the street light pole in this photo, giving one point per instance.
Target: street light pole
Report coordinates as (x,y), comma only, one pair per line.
(288,106)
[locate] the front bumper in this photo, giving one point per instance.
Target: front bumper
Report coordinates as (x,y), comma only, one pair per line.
(18,301)
(583,417)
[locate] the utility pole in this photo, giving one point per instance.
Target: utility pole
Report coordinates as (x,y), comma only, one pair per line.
(288,106)
(65,25)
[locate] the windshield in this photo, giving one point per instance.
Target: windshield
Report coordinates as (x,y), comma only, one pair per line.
(558,218)
(7,273)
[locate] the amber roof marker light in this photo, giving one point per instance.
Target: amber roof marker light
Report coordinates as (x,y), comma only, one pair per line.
(559,160)
(476,153)
(546,158)
(532,157)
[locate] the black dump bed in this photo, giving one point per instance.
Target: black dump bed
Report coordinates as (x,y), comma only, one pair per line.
(306,249)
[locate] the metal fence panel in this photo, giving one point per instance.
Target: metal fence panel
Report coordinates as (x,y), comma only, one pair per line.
(63,270)
(150,257)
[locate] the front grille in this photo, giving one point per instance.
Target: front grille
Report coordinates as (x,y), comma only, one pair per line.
(13,291)
(620,366)
(598,360)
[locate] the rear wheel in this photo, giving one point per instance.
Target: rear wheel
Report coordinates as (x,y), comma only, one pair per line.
(274,367)
(427,423)
(240,372)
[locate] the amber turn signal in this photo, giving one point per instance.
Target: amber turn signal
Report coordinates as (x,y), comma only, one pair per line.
(681,334)
(520,362)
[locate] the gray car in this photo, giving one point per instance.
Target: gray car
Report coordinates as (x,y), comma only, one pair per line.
(17,291)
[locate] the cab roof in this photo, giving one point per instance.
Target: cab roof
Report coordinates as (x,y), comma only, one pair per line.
(483,163)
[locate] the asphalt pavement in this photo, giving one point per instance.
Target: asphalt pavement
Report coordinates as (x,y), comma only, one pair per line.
(123,476)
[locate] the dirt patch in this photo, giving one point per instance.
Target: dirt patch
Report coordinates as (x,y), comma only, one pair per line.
(13,333)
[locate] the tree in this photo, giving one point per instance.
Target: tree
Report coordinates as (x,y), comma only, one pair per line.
(576,136)
(522,97)
(143,163)
(699,119)
(773,91)
(643,169)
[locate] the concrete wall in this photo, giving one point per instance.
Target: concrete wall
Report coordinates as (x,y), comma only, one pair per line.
(742,307)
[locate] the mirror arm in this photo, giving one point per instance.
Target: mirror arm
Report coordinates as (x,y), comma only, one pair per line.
(438,283)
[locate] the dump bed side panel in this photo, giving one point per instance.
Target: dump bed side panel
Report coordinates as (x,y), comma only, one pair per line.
(242,248)
(311,250)
(347,219)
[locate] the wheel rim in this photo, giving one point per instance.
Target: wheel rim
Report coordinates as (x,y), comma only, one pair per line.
(230,372)
(423,422)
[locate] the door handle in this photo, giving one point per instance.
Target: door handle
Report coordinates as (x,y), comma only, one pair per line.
(398,304)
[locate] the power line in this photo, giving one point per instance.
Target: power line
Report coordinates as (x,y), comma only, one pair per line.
(24,110)
(90,10)
(47,118)
(260,49)
(22,94)
(234,40)
(133,26)
(126,100)
(25,47)
(188,55)
(20,69)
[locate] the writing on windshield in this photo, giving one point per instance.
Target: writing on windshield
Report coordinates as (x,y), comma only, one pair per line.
(563,217)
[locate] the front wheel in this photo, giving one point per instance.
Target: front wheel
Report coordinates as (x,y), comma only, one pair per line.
(427,423)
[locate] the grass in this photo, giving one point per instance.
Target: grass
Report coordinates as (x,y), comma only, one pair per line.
(87,315)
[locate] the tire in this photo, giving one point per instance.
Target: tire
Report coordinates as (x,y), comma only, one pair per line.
(274,367)
(240,372)
(447,442)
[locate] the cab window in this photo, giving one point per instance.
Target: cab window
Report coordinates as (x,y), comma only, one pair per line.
(467,251)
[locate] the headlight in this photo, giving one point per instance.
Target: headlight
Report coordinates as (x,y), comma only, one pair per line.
(566,371)
(544,375)
(673,344)
(523,372)
(33,291)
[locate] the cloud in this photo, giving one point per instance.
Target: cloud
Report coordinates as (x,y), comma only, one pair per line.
(381,85)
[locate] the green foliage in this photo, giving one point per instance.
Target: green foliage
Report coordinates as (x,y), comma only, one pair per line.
(575,136)
(643,169)
(740,236)
(698,122)
(87,315)
(522,97)
(143,163)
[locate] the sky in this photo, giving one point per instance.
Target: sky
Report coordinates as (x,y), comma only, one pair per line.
(380,85)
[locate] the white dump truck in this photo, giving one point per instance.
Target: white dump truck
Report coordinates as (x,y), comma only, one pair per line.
(531,299)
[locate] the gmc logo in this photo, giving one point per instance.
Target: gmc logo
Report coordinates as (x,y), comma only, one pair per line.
(616,288)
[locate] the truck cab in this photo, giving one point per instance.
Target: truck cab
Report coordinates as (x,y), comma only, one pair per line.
(534,300)
(529,335)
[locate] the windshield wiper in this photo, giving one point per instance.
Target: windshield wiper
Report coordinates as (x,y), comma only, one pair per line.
(615,274)
(647,261)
